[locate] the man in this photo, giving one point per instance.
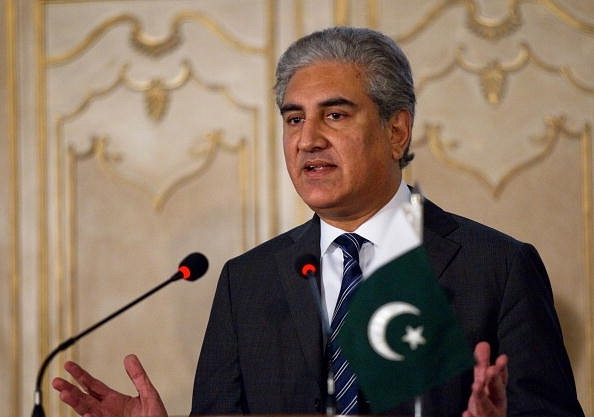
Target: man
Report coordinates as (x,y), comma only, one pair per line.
(347,102)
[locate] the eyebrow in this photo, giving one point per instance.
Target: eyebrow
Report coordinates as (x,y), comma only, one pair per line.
(337,101)
(290,107)
(334,101)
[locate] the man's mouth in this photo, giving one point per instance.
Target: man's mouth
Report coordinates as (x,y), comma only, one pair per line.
(317,166)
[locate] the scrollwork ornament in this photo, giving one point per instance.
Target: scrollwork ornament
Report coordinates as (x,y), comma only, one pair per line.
(494,31)
(157,100)
(493,81)
(153,48)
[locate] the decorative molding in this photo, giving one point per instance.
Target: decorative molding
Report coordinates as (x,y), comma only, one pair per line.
(204,152)
(567,17)
(341,12)
(564,71)
(272,195)
(67,178)
(67,286)
(493,76)
(554,127)
(373,14)
(15,333)
(43,226)
(152,47)
(148,45)
(157,91)
(100,144)
(492,29)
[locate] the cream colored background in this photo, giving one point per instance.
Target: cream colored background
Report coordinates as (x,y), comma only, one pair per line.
(135,132)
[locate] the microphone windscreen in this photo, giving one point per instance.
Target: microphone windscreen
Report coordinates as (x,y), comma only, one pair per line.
(306,264)
(197,265)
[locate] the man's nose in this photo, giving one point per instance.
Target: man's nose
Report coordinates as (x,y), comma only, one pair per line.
(312,136)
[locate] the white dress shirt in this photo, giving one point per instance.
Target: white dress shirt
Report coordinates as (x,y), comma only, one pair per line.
(382,246)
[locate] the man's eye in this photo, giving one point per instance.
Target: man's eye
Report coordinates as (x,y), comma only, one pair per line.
(293,120)
(334,116)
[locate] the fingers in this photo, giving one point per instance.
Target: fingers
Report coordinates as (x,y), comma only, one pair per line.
(139,378)
(482,355)
(87,401)
(501,367)
(488,395)
(497,380)
(91,385)
(148,397)
(482,404)
(73,396)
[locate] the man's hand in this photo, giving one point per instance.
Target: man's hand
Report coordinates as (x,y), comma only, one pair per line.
(488,397)
(98,400)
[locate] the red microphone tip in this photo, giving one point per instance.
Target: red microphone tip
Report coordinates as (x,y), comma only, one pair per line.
(185,271)
(308,269)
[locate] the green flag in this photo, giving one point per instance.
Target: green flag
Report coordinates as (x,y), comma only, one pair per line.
(400,335)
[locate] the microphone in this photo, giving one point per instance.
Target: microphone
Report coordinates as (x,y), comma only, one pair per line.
(190,268)
(307,266)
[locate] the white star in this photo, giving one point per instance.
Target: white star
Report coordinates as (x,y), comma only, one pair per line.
(414,337)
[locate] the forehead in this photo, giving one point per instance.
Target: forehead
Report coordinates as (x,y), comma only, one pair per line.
(325,79)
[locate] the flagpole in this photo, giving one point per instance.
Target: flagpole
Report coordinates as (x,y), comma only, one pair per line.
(416,201)
(416,211)
(418,406)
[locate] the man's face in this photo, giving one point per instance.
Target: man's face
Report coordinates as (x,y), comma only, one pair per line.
(342,159)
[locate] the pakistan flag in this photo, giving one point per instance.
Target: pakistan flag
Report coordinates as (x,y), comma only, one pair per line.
(400,335)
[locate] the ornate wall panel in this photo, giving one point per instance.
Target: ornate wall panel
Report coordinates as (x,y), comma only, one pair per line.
(155,114)
(138,131)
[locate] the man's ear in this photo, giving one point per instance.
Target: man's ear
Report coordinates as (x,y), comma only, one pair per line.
(400,125)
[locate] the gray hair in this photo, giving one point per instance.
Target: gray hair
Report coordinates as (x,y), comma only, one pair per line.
(389,77)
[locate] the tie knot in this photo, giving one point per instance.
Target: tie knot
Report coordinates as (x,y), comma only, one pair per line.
(350,243)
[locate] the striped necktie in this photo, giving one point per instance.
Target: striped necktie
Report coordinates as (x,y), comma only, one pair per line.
(345,381)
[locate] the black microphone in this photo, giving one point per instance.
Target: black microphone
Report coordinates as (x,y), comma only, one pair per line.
(307,266)
(190,268)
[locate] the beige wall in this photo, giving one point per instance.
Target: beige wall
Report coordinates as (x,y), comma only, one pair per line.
(135,132)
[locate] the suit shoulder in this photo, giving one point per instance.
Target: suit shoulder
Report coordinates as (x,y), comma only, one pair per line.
(266,249)
(471,234)
(480,239)
(470,227)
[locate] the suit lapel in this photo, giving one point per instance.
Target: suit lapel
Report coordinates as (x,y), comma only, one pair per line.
(437,225)
(302,305)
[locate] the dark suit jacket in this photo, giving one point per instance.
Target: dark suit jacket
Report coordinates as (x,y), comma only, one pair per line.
(263,347)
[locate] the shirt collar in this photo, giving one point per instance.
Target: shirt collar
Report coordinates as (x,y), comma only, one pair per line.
(374,229)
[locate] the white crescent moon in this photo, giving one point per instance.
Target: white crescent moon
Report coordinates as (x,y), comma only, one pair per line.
(376,330)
